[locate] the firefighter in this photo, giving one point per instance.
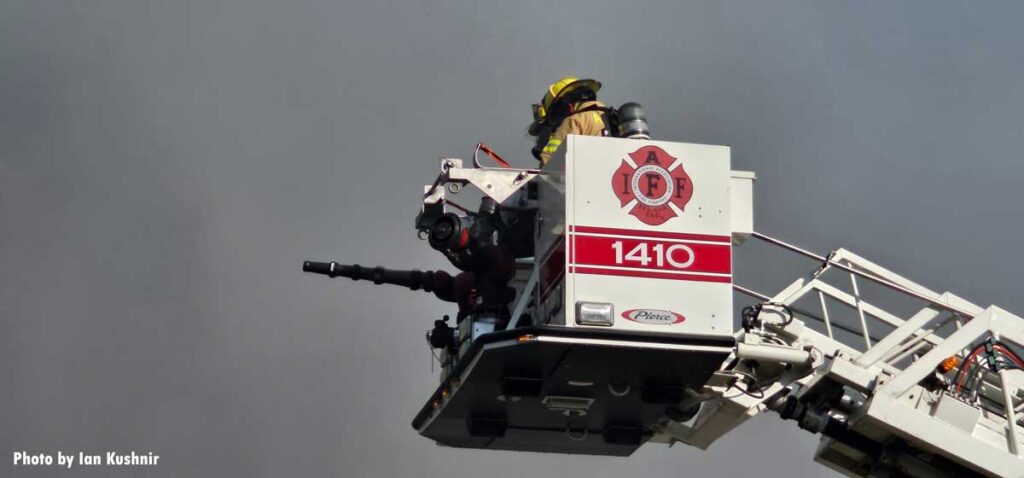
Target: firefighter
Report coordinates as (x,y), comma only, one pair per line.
(570,106)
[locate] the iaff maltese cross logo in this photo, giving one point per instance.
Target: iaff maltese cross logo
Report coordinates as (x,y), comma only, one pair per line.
(650,190)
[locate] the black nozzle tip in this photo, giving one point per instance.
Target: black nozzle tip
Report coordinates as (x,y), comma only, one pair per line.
(317,267)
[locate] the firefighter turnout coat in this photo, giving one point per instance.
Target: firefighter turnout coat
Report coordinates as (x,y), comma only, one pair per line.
(583,122)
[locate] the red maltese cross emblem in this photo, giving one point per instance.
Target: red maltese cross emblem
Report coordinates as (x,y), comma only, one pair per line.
(650,190)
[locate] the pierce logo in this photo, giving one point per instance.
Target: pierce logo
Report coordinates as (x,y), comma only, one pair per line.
(651,186)
(653,316)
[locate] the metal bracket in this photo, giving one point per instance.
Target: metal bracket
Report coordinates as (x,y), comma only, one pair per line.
(499,184)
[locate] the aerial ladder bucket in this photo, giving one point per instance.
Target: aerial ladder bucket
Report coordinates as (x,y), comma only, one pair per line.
(595,314)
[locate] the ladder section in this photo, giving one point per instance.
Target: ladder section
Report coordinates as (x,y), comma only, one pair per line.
(897,378)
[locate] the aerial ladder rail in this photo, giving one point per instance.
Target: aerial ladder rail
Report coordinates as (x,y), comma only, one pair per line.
(939,392)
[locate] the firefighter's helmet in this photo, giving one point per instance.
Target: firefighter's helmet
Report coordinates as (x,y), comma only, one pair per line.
(557,91)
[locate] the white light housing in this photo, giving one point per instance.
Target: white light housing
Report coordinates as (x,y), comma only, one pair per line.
(595,313)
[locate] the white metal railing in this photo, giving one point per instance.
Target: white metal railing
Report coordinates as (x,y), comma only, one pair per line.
(913,340)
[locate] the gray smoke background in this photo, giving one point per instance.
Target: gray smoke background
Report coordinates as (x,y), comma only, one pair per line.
(166,166)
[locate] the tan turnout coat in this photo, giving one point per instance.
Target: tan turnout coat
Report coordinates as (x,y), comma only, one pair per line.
(588,123)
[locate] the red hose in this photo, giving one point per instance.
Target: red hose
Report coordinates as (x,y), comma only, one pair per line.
(490,152)
(967,368)
(1009,353)
(970,358)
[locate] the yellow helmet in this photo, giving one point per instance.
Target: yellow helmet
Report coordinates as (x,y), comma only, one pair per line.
(562,87)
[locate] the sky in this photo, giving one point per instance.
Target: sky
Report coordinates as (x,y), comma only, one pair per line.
(165,167)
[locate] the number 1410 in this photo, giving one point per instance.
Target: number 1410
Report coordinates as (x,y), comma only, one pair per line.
(641,254)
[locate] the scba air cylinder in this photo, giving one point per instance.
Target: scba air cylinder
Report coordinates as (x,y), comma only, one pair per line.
(633,122)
